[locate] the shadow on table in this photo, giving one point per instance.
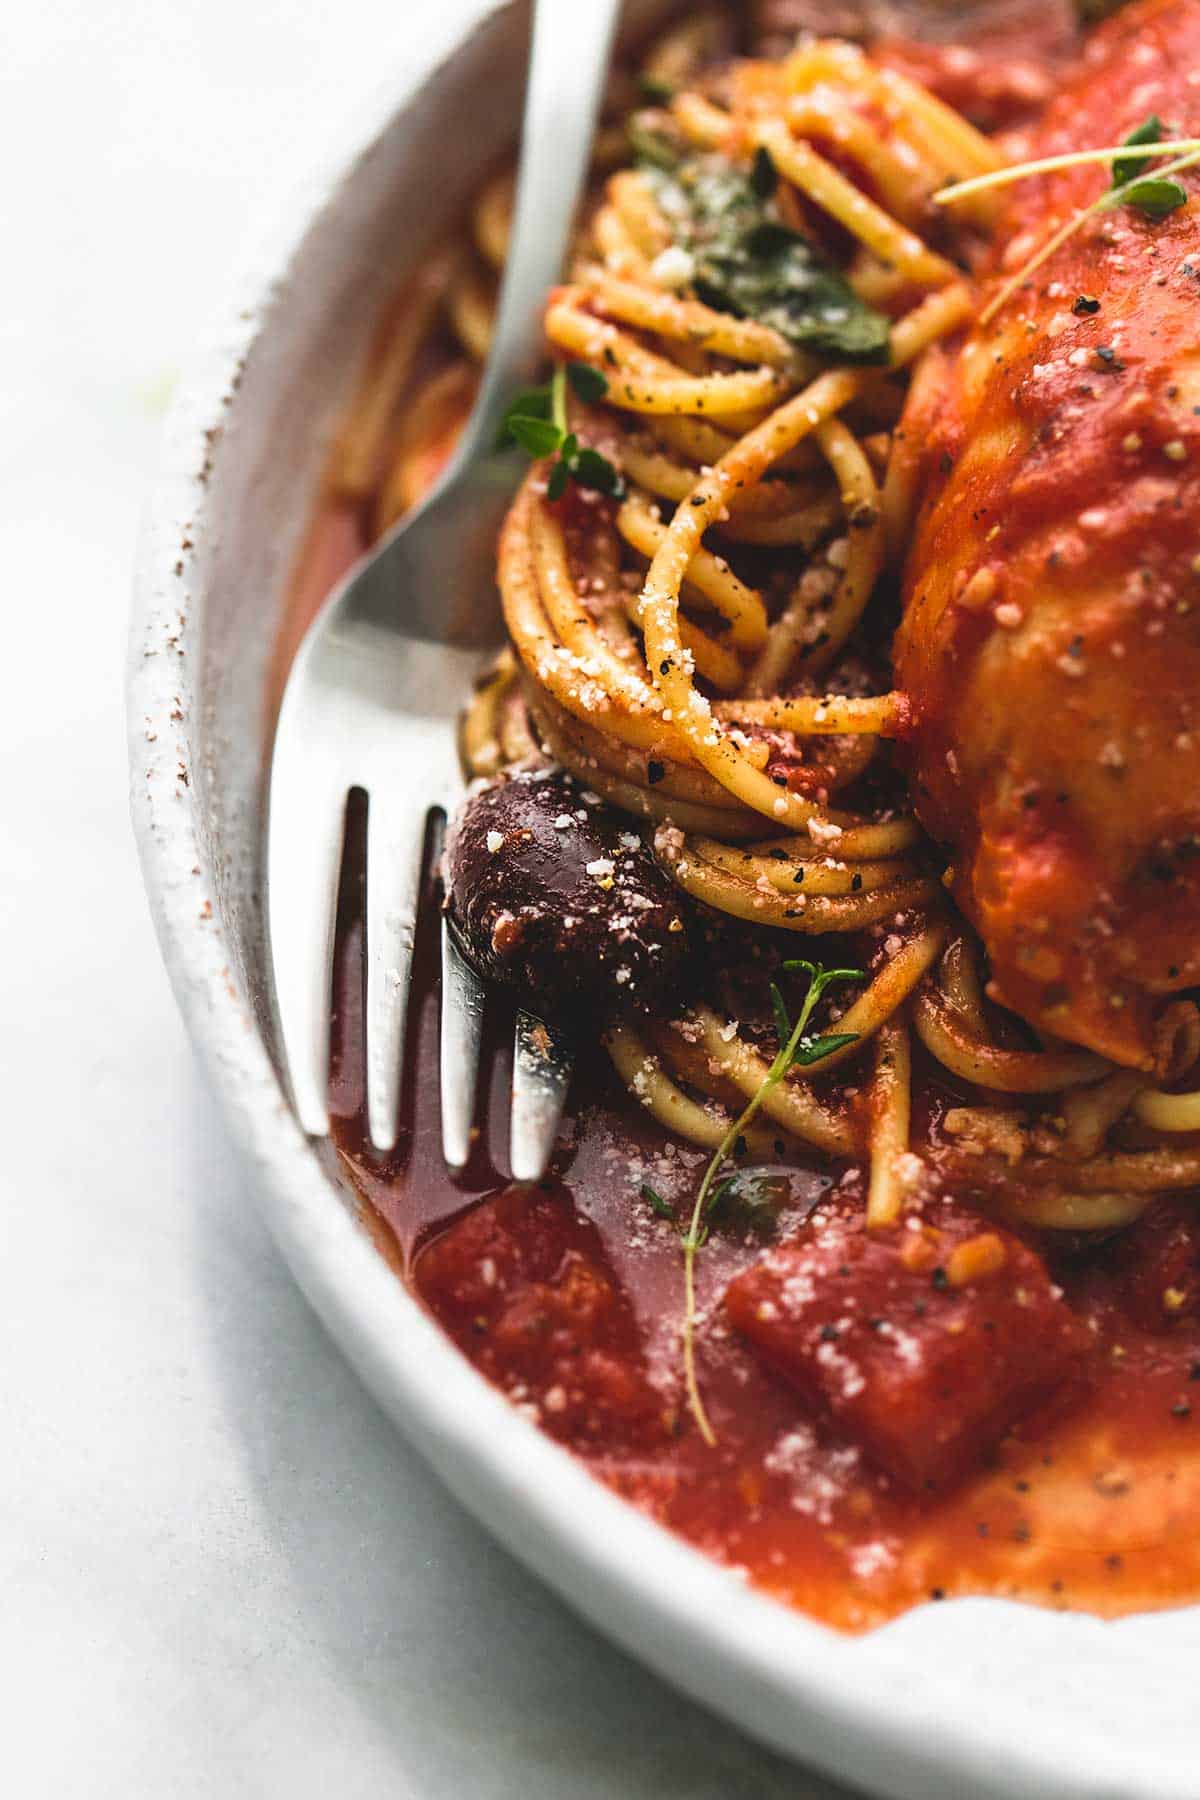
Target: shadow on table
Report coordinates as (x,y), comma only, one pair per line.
(480,1682)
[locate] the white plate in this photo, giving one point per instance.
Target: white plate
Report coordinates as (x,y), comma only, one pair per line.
(974,1697)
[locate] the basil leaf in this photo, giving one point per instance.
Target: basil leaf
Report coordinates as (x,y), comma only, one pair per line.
(815,1050)
(1127,168)
(1155,197)
(538,437)
(776,277)
(749,263)
(590,384)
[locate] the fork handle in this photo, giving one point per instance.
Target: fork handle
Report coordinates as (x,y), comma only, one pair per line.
(568,69)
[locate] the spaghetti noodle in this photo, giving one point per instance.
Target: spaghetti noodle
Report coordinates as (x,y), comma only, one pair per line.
(613,703)
(706,649)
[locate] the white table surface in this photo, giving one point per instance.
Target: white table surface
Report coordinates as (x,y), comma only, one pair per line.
(221,1571)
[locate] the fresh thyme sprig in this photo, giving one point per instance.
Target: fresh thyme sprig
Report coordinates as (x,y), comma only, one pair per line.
(1155,194)
(537,420)
(796,1050)
(1124,168)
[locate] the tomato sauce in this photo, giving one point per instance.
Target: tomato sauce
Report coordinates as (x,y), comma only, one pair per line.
(569,1297)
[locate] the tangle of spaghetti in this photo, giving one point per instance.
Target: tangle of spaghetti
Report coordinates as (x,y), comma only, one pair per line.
(704,654)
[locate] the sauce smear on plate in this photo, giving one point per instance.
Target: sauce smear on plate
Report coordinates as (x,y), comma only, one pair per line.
(567,1296)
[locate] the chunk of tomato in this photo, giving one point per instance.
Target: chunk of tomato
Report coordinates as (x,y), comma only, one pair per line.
(924,1343)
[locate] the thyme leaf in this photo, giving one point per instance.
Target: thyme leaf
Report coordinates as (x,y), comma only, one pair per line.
(815,1050)
(536,419)
(592,470)
(1128,168)
(796,1048)
(655,1202)
(1155,197)
(1113,197)
(556,481)
(590,384)
(537,437)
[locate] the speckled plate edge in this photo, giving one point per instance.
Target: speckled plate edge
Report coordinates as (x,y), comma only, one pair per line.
(930,1708)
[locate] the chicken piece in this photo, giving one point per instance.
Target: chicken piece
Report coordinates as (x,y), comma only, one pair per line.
(1051,635)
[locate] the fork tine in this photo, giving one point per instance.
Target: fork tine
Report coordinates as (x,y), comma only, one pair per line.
(395,840)
(462,1029)
(304,861)
(541,1077)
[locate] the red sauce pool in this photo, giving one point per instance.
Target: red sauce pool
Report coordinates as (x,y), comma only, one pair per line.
(1099,1509)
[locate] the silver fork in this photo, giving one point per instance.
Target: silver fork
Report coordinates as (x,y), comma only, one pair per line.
(373,696)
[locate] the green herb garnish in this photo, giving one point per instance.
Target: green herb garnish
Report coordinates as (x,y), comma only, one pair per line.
(1128,168)
(749,1202)
(655,1201)
(590,384)
(537,420)
(1155,197)
(796,1050)
(749,262)
(538,437)
(1114,154)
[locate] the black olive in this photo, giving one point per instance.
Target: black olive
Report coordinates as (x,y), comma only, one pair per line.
(555,894)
